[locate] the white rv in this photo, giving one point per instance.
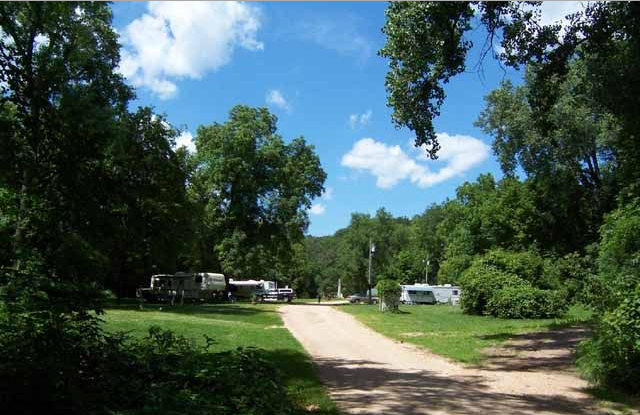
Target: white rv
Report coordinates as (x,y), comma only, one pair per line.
(447,294)
(430,294)
(417,294)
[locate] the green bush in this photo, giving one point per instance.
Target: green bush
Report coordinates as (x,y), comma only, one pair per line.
(389,292)
(573,273)
(612,356)
(527,265)
(527,302)
(479,283)
(66,364)
(619,256)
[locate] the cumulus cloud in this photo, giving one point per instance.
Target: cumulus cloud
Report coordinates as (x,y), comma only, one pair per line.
(274,97)
(360,119)
(317,209)
(186,139)
(176,40)
(390,164)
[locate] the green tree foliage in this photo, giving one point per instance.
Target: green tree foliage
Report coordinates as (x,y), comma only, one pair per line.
(567,151)
(619,259)
(526,302)
(253,190)
(427,46)
(389,293)
(93,193)
(75,368)
(612,357)
(480,281)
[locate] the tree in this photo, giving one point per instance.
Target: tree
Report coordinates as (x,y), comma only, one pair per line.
(95,194)
(61,99)
(426,46)
(567,151)
(255,190)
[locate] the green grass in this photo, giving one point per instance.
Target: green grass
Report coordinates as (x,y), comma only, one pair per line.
(446,331)
(232,326)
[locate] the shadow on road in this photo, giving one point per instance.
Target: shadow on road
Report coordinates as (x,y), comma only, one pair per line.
(363,387)
(552,350)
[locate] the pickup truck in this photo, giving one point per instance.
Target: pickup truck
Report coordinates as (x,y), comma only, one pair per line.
(281,294)
(363,298)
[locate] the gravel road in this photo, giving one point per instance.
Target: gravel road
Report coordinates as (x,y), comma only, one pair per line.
(368,373)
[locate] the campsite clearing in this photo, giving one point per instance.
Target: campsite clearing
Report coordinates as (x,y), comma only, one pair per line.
(446,331)
(232,326)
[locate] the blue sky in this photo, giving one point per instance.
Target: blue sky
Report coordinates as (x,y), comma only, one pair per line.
(315,66)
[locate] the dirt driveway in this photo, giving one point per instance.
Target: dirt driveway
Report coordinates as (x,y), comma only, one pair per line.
(368,373)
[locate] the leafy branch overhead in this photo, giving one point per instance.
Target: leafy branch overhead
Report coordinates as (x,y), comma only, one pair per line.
(427,46)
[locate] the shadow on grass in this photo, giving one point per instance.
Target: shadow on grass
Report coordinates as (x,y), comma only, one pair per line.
(552,350)
(301,378)
(362,386)
(616,396)
(241,309)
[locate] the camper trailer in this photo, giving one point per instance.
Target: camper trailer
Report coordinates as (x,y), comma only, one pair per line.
(194,287)
(417,294)
(430,294)
(447,294)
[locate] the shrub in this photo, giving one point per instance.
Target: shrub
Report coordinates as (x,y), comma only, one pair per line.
(389,292)
(66,364)
(573,273)
(480,281)
(612,356)
(619,256)
(527,302)
(527,265)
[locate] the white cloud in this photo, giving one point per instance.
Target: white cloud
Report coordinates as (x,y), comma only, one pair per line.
(176,40)
(328,193)
(390,164)
(360,119)
(274,97)
(555,11)
(338,34)
(186,139)
(317,209)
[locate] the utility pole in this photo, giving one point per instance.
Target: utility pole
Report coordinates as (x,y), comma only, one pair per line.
(372,249)
(426,271)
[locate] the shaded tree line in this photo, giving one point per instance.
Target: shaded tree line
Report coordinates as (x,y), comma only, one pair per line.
(94,196)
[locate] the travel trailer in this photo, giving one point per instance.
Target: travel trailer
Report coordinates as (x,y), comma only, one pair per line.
(417,294)
(430,294)
(447,294)
(194,287)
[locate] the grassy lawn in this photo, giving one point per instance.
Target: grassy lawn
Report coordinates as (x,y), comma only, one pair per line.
(446,331)
(232,326)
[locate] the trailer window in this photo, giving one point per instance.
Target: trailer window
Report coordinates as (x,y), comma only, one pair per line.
(455,292)
(413,292)
(198,279)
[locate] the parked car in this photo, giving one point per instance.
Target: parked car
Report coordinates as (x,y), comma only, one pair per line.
(363,297)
